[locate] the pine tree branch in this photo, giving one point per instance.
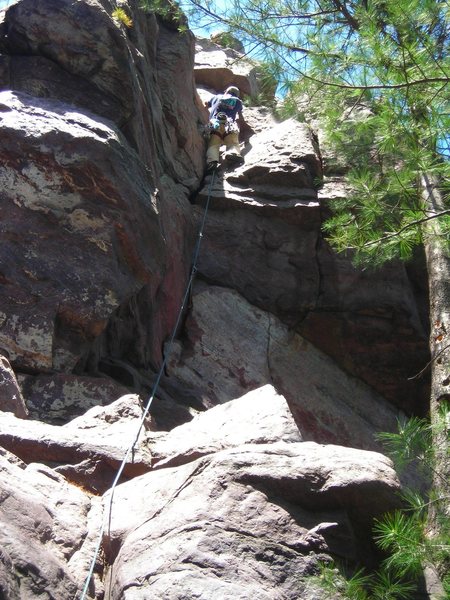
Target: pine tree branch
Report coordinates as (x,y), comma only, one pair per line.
(342,8)
(381,86)
(293,16)
(251,33)
(429,363)
(402,229)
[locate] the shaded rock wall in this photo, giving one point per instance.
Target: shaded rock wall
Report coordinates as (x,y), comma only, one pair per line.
(101,149)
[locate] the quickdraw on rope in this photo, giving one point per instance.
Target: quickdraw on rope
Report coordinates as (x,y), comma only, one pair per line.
(131,448)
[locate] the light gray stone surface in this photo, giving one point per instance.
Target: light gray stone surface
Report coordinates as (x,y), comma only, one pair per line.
(232,347)
(89,450)
(44,532)
(208,527)
(11,399)
(260,416)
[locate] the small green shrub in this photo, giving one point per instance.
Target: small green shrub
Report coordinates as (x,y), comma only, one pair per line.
(383,585)
(404,535)
(119,15)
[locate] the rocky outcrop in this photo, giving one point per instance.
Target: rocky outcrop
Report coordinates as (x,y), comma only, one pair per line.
(257,460)
(11,399)
(207,528)
(44,522)
(88,450)
(263,238)
(217,67)
(112,193)
(228,426)
(248,508)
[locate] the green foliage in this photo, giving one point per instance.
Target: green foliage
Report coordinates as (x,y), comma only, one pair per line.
(169,10)
(416,442)
(119,15)
(389,586)
(335,582)
(383,585)
(403,537)
(446,584)
(405,534)
(412,443)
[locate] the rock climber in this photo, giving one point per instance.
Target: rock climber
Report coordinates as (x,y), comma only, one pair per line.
(225,109)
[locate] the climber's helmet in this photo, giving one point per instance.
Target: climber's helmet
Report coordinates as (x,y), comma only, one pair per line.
(233,91)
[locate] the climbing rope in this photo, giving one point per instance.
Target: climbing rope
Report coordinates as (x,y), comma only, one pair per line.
(131,448)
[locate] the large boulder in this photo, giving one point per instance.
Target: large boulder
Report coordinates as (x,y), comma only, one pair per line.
(250,522)
(260,416)
(99,155)
(89,450)
(47,528)
(73,192)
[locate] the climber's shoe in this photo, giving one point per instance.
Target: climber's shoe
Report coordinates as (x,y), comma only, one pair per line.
(211,167)
(233,157)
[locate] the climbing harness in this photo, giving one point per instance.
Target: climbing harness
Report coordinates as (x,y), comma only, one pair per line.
(222,125)
(131,448)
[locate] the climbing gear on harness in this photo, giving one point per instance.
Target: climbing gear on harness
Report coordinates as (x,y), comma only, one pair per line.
(106,522)
(222,125)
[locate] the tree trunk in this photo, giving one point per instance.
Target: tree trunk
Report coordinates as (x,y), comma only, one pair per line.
(438,263)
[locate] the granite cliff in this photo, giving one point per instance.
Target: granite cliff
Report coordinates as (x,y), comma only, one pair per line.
(257,460)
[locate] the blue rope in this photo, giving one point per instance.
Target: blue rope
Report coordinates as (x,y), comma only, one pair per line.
(152,395)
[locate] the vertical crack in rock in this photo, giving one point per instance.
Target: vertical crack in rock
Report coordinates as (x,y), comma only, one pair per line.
(268,351)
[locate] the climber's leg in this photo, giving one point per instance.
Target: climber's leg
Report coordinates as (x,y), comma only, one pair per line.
(213,152)
(233,152)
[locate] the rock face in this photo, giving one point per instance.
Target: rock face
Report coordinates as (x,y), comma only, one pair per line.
(44,522)
(233,347)
(263,239)
(230,425)
(255,460)
(217,68)
(101,189)
(11,399)
(88,450)
(206,527)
